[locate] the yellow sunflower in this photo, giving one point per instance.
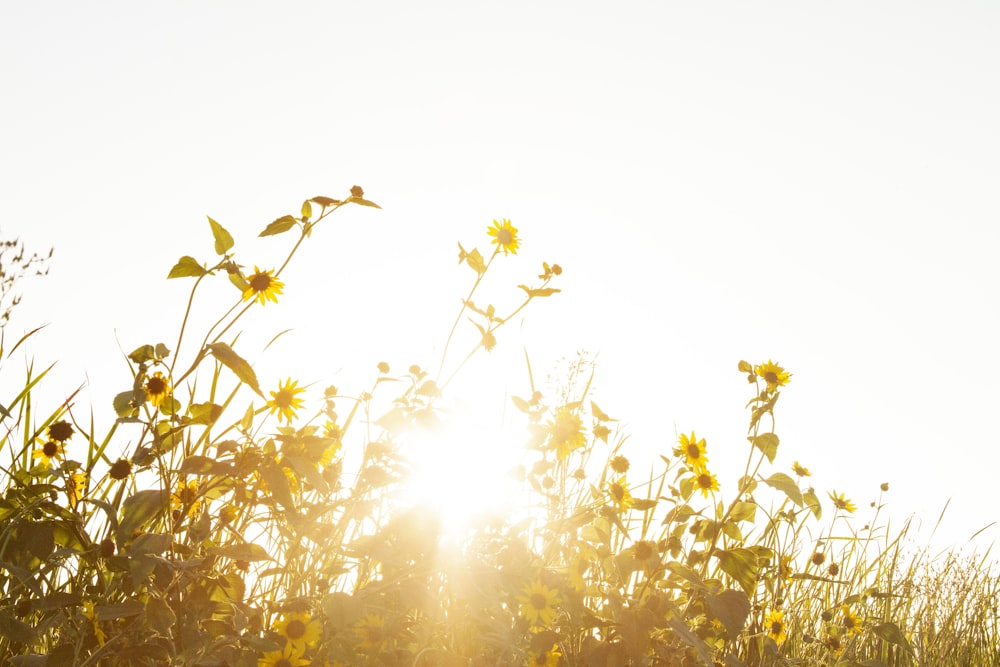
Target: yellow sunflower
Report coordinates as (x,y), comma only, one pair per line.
(849,621)
(185,496)
(565,433)
(289,656)
(51,450)
(800,470)
(548,658)
(620,494)
(90,613)
(774,625)
(263,286)
(538,603)
(299,628)
(504,236)
(774,375)
(286,400)
(157,389)
(371,631)
(693,451)
(76,486)
(842,503)
(706,482)
(785,569)
(60,431)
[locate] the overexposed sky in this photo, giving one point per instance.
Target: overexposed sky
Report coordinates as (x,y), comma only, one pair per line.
(808,182)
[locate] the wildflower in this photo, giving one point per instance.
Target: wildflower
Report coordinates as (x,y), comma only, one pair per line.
(833,643)
(285,401)
(833,570)
(90,614)
(157,389)
(60,431)
(774,625)
(884,486)
(601,432)
(263,286)
(785,567)
(228,514)
(800,470)
(300,629)
(773,374)
(538,604)
(289,656)
(644,550)
(504,236)
(186,497)
(818,558)
(842,503)
(548,658)
(76,486)
(51,450)
(120,469)
(849,621)
(693,451)
(620,493)
(620,464)
(706,482)
(383,367)
(565,432)
(371,630)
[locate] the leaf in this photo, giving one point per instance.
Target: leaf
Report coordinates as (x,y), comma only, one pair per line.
(279,226)
(521,404)
(891,633)
(326,201)
(783,482)
(247,551)
(197,465)
(15,630)
(142,354)
(731,608)
(139,508)
(742,566)
(687,573)
(812,502)
(307,210)
(277,484)
(112,612)
(599,414)
(744,367)
(743,511)
(766,443)
(185,267)
(685,635)
(475,260)
(643,504)
(237,364)
(204,413)
(160,616)
(363,202)
(162,351)
(540,291)
(223,239)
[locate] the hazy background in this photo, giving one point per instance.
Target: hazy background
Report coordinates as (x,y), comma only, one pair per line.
(807,182)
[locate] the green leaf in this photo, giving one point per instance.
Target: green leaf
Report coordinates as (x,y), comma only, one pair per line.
(197,465)
(783,482)
(124,407)
(279,226)
(162,351)
(142,354)
(475,260)
(204,413)
(160,616)
(247,551)
(742,566)
(731,607)
(140,508)
(277,484)
(223,240)
(744,367)
(891,633)
(812,502)
(766,443)
(237,364)
(112,612)
(15,630)
(743,511)
(687,573)
(186,267)
(694,641)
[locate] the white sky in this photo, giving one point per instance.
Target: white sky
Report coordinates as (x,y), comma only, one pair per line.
(809,182)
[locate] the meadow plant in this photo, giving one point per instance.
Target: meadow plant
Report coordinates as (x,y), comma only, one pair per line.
(219,522)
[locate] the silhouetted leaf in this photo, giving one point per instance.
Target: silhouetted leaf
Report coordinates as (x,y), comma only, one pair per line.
(783,482)
(237,364)
(891,633)
(731,607)
(741,565)
(187,267)
(223,240)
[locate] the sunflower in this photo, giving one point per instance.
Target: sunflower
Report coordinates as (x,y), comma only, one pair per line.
(833,643)
(299,628)
(90,613)
(800,470)
(264,286)
(285,401)
(565,433)
(538,603)
(706,482)
(842,503)
(60,431)
(49,451)
(371,631)
(619,464)
(644,550)
(620,494)
(774,375)
(289,656)
(76,486)
(576,569)
(157,389)
(120,469)
(548,658)
(849,621)
(785,569)
(693,451)
(186,497)
(504,236)
(774,625)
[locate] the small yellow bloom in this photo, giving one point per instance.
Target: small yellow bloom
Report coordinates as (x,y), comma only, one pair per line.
(538,604)
(504,236)
(90,614)
(620,494)
(263,286)
(286,400)
(774,375)
(157,389)
(774,625)
(371,631)
(186,497)
(76,486)
(693,451)
(299,628)
(51,450)
(548,658)
(565,433)
(785,569)
(842,503)
(849,621)
(706,482)
(289,656)
(800,470)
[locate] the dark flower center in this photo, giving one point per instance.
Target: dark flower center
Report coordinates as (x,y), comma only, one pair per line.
(260,282)
(283,399)
(539,601)
(643,550)
(283,662)
(771,377)
(60,431)
(777,627)
(705,481)
(694,453)
(504,236)
(156,385)
(50,449)
(295,629)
